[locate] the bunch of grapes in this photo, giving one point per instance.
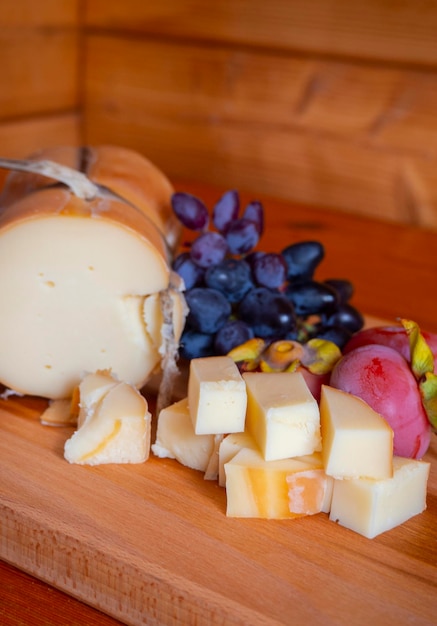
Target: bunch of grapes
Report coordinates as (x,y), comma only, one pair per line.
(235,292)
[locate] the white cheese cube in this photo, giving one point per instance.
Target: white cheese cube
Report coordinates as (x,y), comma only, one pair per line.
(371,507)
(357,441)
(259,488)
(282,414)
(216,396)
(176,439)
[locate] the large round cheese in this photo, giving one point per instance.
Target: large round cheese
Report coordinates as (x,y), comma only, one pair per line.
(82,282)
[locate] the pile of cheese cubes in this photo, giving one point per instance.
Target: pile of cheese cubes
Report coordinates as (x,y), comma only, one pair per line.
(281,455)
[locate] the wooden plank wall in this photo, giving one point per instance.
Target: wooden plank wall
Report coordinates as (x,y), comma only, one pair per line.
(39,93)
(329,102)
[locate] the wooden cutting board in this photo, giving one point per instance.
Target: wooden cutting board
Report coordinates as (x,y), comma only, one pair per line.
(151,544)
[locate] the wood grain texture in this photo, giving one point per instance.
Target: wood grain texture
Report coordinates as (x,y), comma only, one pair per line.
(22,137)
(328,134)
(31,81)
(151,544)
(44,13)
(375,30)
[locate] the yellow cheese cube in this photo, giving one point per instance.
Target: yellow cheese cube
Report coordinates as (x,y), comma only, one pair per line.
(229,447)
(113,426)
(176,439)
(370,507)
(357,441)
(259,488)
(216,396)
(282,414)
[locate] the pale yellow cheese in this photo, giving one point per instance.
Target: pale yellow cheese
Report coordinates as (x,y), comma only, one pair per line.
(217,396)
(229,447)
(259,488)
(357,441)
(282,414)
(75,285)
(371,507)
(114,426)
(58,413)
(176,439)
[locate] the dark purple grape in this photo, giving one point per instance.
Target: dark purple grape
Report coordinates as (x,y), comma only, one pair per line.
(195,345)
(191,273)
(337,334)
(226,210)
(232,277)
(302,258)
(254,212)
(190,211)
(344,288)
(232,334)
(242,235)
(269,270)
(208,249)
(267,312)
(346,316)
(208,309)
(312,298)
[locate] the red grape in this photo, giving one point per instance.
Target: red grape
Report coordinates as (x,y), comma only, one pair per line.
(382,377)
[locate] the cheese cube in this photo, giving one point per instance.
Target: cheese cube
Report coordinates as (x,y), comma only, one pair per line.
(229,447)
(357,441)
(310,492)
(259,488)
(282,414)
(115,428)
(371,507)
(176,439)
(216,396)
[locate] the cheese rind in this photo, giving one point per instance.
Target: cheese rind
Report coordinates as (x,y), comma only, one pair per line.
(282,414)
(176,439)
(217,396)
(371,507)
(76,274)
(259,488)
(310,492)
(114,426)
(357,441)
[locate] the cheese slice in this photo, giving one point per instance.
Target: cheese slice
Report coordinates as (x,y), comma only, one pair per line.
(176,439)
(114,425)
(357,441)
(282,414)
(371,507)
(216,396)
(259,488)
(76,277)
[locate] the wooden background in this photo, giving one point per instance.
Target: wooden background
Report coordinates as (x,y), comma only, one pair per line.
(331,102)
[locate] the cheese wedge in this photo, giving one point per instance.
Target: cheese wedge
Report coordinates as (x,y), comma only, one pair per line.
(76,277)
(282,414)
(357,441)
(176,439)
(114,424)
(216,396)
(371,507)
(259,488)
